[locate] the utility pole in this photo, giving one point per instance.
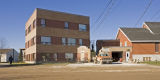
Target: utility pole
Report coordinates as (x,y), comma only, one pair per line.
(13,54)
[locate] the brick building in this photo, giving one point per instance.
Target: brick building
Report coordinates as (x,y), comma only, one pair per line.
(106,43)
(55,36)
(145,42)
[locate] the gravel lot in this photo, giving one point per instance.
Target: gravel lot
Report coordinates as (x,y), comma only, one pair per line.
(86,71)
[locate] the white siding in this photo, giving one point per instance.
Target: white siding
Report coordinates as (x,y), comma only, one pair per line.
(3,58)
(140,57)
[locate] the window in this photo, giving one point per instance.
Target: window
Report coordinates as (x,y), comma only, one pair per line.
(34,40)
(64,41)
(120,44)
(33,56)
(156,47)
(71,41)
(82,27)
(103,54)
(69,56)
(146,58)
(55,56)
(125,43)
(43,22)
(80,42)
(34,23)
(66,25)
(29,29)
(28,44)
(26,32)
(46,40)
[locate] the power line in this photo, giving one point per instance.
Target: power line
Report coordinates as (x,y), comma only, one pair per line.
(154,16)
(101,15)
(105,16)
(146,9)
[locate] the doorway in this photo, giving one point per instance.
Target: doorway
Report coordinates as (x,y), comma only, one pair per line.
(127,56)
(116,56)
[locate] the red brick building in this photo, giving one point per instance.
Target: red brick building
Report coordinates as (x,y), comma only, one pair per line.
(55,36)
(145,41)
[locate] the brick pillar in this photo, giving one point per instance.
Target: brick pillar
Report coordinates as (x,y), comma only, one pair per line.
(38,39)
(77,42)
(38,57)
(124,56)
(51,56)
(75,56)
(61,57)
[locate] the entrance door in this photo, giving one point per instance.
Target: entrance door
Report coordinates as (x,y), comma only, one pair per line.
(127,56)
(82,56)
(55,56)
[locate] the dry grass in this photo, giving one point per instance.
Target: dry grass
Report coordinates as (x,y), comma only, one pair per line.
(152,63)
(61,72)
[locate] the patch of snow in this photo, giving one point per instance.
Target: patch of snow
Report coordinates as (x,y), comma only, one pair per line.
(103,65)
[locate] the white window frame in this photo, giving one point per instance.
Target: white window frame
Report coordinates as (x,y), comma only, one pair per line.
(29,28)
(125,44)
(64,41)
(120,44)
(69,56)
(82,27)
(71,41)
(66,25)
(55,56)
(46,40)
(80,42)
(43,22)
(34,23)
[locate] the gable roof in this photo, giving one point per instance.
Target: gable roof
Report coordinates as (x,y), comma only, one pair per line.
(140,35)
(5,50)
(154,27)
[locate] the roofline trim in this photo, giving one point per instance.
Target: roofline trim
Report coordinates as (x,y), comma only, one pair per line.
(148,28)
(122,33)
(62,12)
(145,41)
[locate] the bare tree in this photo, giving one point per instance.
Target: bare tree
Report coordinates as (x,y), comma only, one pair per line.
(3,43)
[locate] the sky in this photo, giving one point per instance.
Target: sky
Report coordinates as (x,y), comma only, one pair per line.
(120,13)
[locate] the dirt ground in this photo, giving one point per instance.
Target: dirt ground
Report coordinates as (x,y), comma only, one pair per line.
(81,72)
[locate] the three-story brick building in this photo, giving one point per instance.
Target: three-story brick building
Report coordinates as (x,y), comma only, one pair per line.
(55,36)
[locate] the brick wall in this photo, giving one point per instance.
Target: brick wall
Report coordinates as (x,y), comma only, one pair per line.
(55,28)
(60,24)
(144,48)
(123,38)
(138,48)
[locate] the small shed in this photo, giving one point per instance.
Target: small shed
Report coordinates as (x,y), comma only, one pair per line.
(83,54)
(6,53)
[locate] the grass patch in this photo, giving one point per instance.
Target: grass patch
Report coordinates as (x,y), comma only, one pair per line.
(14,63)
(152,63)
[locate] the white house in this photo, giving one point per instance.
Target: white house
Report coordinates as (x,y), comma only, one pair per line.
(6,53)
